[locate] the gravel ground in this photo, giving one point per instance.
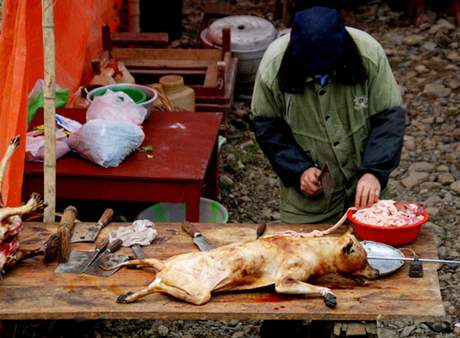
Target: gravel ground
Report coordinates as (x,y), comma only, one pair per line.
(426,63)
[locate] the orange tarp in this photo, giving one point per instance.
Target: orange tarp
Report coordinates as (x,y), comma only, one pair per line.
(78,39)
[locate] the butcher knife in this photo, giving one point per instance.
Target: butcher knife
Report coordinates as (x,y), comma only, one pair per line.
(88,232)
(200,241)
(327,181)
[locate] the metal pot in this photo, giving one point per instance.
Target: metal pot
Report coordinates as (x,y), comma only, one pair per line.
(250,37)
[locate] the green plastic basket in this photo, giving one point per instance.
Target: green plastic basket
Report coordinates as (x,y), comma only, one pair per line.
(137,95)
(210,212)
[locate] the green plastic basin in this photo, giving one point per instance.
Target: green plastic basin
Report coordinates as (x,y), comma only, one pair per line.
(137,95)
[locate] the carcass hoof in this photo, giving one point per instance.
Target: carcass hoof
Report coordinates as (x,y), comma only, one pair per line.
(122,298)
(330,300)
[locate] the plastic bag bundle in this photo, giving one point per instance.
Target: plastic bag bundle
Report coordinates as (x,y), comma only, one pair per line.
(106,142)
(116,106)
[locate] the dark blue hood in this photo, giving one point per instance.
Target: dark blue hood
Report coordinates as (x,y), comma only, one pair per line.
(318,40)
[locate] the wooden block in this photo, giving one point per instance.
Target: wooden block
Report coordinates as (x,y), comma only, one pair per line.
(356,329)
(337,330)
(371,328)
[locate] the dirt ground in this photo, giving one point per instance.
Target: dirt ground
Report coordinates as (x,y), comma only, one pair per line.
(426,63)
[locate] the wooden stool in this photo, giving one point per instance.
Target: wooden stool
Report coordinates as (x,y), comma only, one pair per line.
(354,329)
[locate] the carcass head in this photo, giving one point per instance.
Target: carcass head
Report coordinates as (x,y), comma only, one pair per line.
(352,261)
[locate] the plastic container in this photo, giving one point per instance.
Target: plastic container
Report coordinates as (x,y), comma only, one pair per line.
(392,235)
(181,97)
(151,94)
(210,212)
(250,36)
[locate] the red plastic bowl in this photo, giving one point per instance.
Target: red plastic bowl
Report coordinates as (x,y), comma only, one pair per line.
(392,235)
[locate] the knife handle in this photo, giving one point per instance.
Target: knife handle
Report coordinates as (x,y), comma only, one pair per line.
(68,218)
(190,229)
(105,218)
(114,245)
(101,245)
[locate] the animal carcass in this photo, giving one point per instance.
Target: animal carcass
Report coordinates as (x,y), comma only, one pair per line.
(284,260)
(10,220)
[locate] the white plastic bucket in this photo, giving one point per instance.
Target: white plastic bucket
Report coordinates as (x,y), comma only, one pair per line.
(210,212)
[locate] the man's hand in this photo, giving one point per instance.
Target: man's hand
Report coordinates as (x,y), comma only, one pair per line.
(367,191)
(310,184)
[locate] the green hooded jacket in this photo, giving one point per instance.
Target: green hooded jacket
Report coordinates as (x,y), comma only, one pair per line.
(331,124)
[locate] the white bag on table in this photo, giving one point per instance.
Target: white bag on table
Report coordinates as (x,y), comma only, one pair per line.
(106,142)
(116,106)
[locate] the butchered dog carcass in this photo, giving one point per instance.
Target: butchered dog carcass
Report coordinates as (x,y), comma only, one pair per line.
(10,217)
(287,261)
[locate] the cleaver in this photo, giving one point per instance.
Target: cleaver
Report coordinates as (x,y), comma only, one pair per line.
(79,260)
(200,241)
(84,232)
(327,181)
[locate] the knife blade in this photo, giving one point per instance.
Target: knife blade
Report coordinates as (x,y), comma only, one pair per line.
(198,239)
(100,247)
(327,181)
(111,248)
(89,232)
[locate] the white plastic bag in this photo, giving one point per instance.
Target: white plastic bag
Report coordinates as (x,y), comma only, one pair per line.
(35,145)
(116,106)
(106,142)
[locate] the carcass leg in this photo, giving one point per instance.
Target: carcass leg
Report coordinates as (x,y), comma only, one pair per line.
(4,163)
(34,203)
(290,285)
(138,263)
(158,286)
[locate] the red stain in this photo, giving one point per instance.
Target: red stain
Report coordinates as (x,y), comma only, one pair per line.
(263,298)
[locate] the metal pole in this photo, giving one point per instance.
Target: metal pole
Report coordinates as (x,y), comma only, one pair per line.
(425,260)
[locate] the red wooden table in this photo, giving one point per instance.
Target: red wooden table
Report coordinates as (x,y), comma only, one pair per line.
(184,160)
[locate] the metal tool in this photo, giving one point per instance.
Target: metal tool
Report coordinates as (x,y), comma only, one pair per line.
(79,259)
(261,229)
(416,259)
(89,232)
(200,241)
(327,181)
(100,247)
(138,251)
(107,258)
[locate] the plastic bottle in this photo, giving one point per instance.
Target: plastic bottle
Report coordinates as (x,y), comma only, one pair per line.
(180,96)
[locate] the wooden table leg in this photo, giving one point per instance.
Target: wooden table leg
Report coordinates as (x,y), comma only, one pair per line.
(192,204)
(212,175)
(455,7)
(420,12)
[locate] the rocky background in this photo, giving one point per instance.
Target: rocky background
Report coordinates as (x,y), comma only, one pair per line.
(426,63)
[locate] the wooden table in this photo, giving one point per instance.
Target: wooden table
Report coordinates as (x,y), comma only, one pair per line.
(34,291)
(184,160)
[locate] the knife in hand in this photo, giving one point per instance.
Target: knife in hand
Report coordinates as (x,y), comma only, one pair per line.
(200,241)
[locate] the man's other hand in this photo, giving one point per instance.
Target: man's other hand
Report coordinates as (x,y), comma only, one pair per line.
(310,184)
(367,191)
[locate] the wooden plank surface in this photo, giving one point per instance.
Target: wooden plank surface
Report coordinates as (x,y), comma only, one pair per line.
(34,291)
(128,54)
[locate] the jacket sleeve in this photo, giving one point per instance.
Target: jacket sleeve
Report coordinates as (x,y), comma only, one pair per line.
(287,158)
(383,150)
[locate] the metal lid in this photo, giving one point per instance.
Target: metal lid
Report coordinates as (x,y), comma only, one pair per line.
(247,32)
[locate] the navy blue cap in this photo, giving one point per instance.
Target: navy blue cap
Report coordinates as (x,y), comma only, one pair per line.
(318,40)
